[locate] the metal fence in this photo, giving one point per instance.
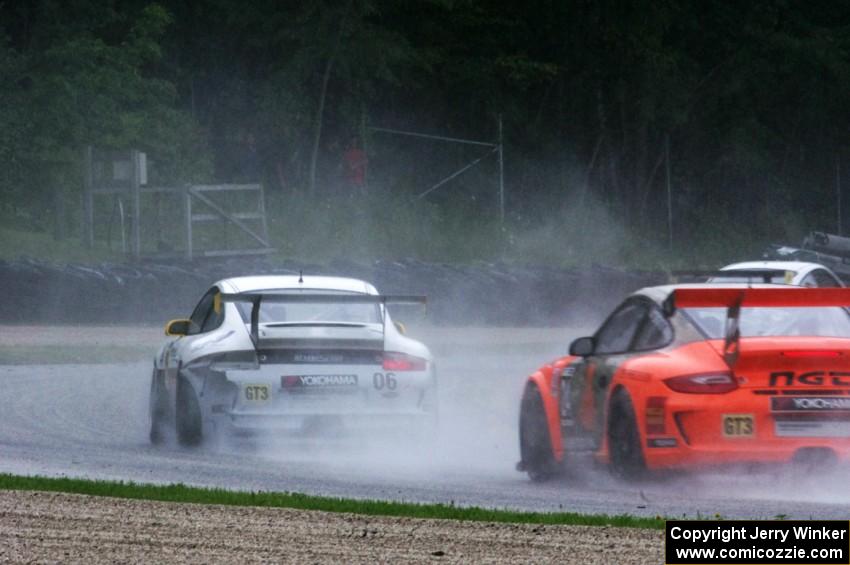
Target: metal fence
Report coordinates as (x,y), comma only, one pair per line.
(166,221)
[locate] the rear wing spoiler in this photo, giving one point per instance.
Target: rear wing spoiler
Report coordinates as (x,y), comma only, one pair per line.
(791,296)
(733,299)
(762,275)
(257,298)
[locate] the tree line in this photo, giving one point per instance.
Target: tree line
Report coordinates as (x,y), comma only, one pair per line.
(748,100)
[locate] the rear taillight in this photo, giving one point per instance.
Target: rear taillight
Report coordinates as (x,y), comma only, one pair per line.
(394,361)
(717,383)
(655,415)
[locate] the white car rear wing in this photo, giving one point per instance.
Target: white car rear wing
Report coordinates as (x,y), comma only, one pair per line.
(257,298)
(755,275)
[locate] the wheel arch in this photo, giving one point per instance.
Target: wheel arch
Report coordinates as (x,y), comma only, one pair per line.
(634,396)
(542,380)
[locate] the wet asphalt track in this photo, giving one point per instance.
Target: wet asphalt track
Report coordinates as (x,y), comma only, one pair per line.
(91,421)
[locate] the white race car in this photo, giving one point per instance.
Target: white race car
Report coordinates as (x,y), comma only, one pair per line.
(289,352)
(798,273)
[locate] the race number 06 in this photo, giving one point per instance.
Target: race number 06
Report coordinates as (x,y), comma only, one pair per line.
(381,381)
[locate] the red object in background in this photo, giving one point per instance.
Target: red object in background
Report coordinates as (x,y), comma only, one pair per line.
(355,166)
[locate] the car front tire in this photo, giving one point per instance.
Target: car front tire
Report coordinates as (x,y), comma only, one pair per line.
(535,446)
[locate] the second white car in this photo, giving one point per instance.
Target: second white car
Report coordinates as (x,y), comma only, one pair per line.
(797,273)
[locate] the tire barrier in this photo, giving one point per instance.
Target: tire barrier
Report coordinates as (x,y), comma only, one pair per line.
(484,294)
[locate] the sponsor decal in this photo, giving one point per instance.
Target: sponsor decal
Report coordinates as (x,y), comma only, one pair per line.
(318,381)
(798,428)
(810,378)
(662,442)
(317,358)
(809,404)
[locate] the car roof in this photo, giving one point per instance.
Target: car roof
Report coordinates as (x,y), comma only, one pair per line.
(659,294)
(267,282)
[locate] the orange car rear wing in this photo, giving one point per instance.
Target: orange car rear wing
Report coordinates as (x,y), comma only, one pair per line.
(257,298)
(733,299)
(757,297)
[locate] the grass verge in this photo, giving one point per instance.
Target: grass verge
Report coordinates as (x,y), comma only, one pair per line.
(196,495)
(17,242)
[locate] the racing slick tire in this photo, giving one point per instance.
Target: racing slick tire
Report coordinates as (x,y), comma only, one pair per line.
(535,446)
(158,410)
(624,445)
(188,417)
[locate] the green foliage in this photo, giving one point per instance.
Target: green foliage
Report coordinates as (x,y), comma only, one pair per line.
(751,97)
(89,84)
(19,238)
(196,495)
(377,225)
(392,225)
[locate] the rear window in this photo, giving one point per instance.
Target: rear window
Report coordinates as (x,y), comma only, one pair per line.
(819,322)
(295,313)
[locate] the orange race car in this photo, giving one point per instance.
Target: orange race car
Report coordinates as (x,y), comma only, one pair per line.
(685,376)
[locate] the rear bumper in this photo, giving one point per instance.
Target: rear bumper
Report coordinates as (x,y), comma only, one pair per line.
(696,435)
(386,421)
(691,457)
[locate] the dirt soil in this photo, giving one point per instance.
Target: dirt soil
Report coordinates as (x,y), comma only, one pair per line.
(54,527)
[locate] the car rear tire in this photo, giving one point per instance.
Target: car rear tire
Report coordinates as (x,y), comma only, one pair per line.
(188,417)
(535,446)
(432,420)
(158,410)
(624,445)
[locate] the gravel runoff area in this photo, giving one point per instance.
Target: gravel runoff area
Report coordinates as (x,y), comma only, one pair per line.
(57,527)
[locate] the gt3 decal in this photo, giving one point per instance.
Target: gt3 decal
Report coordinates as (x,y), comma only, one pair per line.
(256,393)
(738,426)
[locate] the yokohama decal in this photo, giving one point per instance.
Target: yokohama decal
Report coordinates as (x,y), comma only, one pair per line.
(810,404)
(317,381)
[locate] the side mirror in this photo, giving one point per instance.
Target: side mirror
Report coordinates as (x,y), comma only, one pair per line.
(400,327)
(583,346)
(177,327)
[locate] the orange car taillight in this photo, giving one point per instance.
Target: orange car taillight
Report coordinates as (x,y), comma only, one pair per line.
(402,362)
(717,383)
(655,414)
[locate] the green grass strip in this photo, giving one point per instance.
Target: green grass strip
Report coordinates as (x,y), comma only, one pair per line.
(196,495)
